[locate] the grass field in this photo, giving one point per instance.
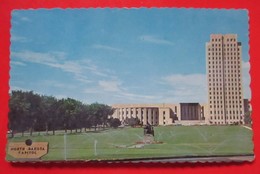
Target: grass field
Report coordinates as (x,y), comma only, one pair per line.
(178,141)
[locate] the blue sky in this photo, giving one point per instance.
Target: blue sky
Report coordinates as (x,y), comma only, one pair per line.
(120,55)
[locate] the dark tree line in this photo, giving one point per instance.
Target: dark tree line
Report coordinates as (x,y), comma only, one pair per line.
(31,112)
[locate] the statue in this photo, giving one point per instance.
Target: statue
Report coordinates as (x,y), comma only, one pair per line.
(148,130)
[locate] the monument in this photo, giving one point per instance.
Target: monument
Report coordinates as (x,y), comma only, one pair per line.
(148,134)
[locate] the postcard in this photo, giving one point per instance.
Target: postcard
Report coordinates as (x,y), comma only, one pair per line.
(136,84)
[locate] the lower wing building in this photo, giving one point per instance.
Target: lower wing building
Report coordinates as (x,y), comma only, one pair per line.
(163,114)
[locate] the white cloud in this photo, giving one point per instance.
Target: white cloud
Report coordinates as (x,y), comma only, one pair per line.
(114,89)
(18,63)
(80,68)
(246,79)
(186,80)
(94,69)
(110,86)
(105,47)
(136,97)
(93,90)
(185,88)
(25,19)
(245,65)
(56,84)
(35,57)
(68,66)
(115,86)
(22,39)
(20,17)
(155,40)
(82,78)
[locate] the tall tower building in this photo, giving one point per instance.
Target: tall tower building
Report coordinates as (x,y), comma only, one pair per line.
(224,78)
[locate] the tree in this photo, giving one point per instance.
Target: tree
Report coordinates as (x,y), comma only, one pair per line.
(99,114)
(114,122)
(95,115)
(85,120)
(248,118)
(69,118)
(19,109)
(133,122)
(50,113)
(106,112)
(33,114)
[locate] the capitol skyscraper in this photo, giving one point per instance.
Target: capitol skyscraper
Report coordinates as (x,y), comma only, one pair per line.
(224,79)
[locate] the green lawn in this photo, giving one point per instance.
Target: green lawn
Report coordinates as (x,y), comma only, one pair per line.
(178,141)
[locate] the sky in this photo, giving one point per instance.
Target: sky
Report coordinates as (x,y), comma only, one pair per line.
(120,55)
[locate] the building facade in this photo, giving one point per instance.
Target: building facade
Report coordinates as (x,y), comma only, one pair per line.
(161,114)
(190,111)
(224,79)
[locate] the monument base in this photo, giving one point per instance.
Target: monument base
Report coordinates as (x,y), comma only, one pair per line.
(148,139)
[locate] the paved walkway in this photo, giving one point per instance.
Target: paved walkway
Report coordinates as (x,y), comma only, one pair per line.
(247,127)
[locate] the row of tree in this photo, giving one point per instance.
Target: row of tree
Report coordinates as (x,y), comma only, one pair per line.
(33,112)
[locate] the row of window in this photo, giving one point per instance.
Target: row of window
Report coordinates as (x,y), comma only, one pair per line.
(142,112)
(233,77)
(219,49)
(215,75)
(226,71)
(220,97)
(220,62)
(224,45)
(219,39)
(227,77)
(226,58)
(227,117)
(220,89)
(222,122)
(218,70)
(232,85)
(228,82)
(230,102)
(227,67)
(224,53)
(227,93)
(152,119)
(235,104)
(227,112)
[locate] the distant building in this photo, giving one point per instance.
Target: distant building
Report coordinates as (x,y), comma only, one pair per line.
(247,106)
(224,78)
(161,114)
